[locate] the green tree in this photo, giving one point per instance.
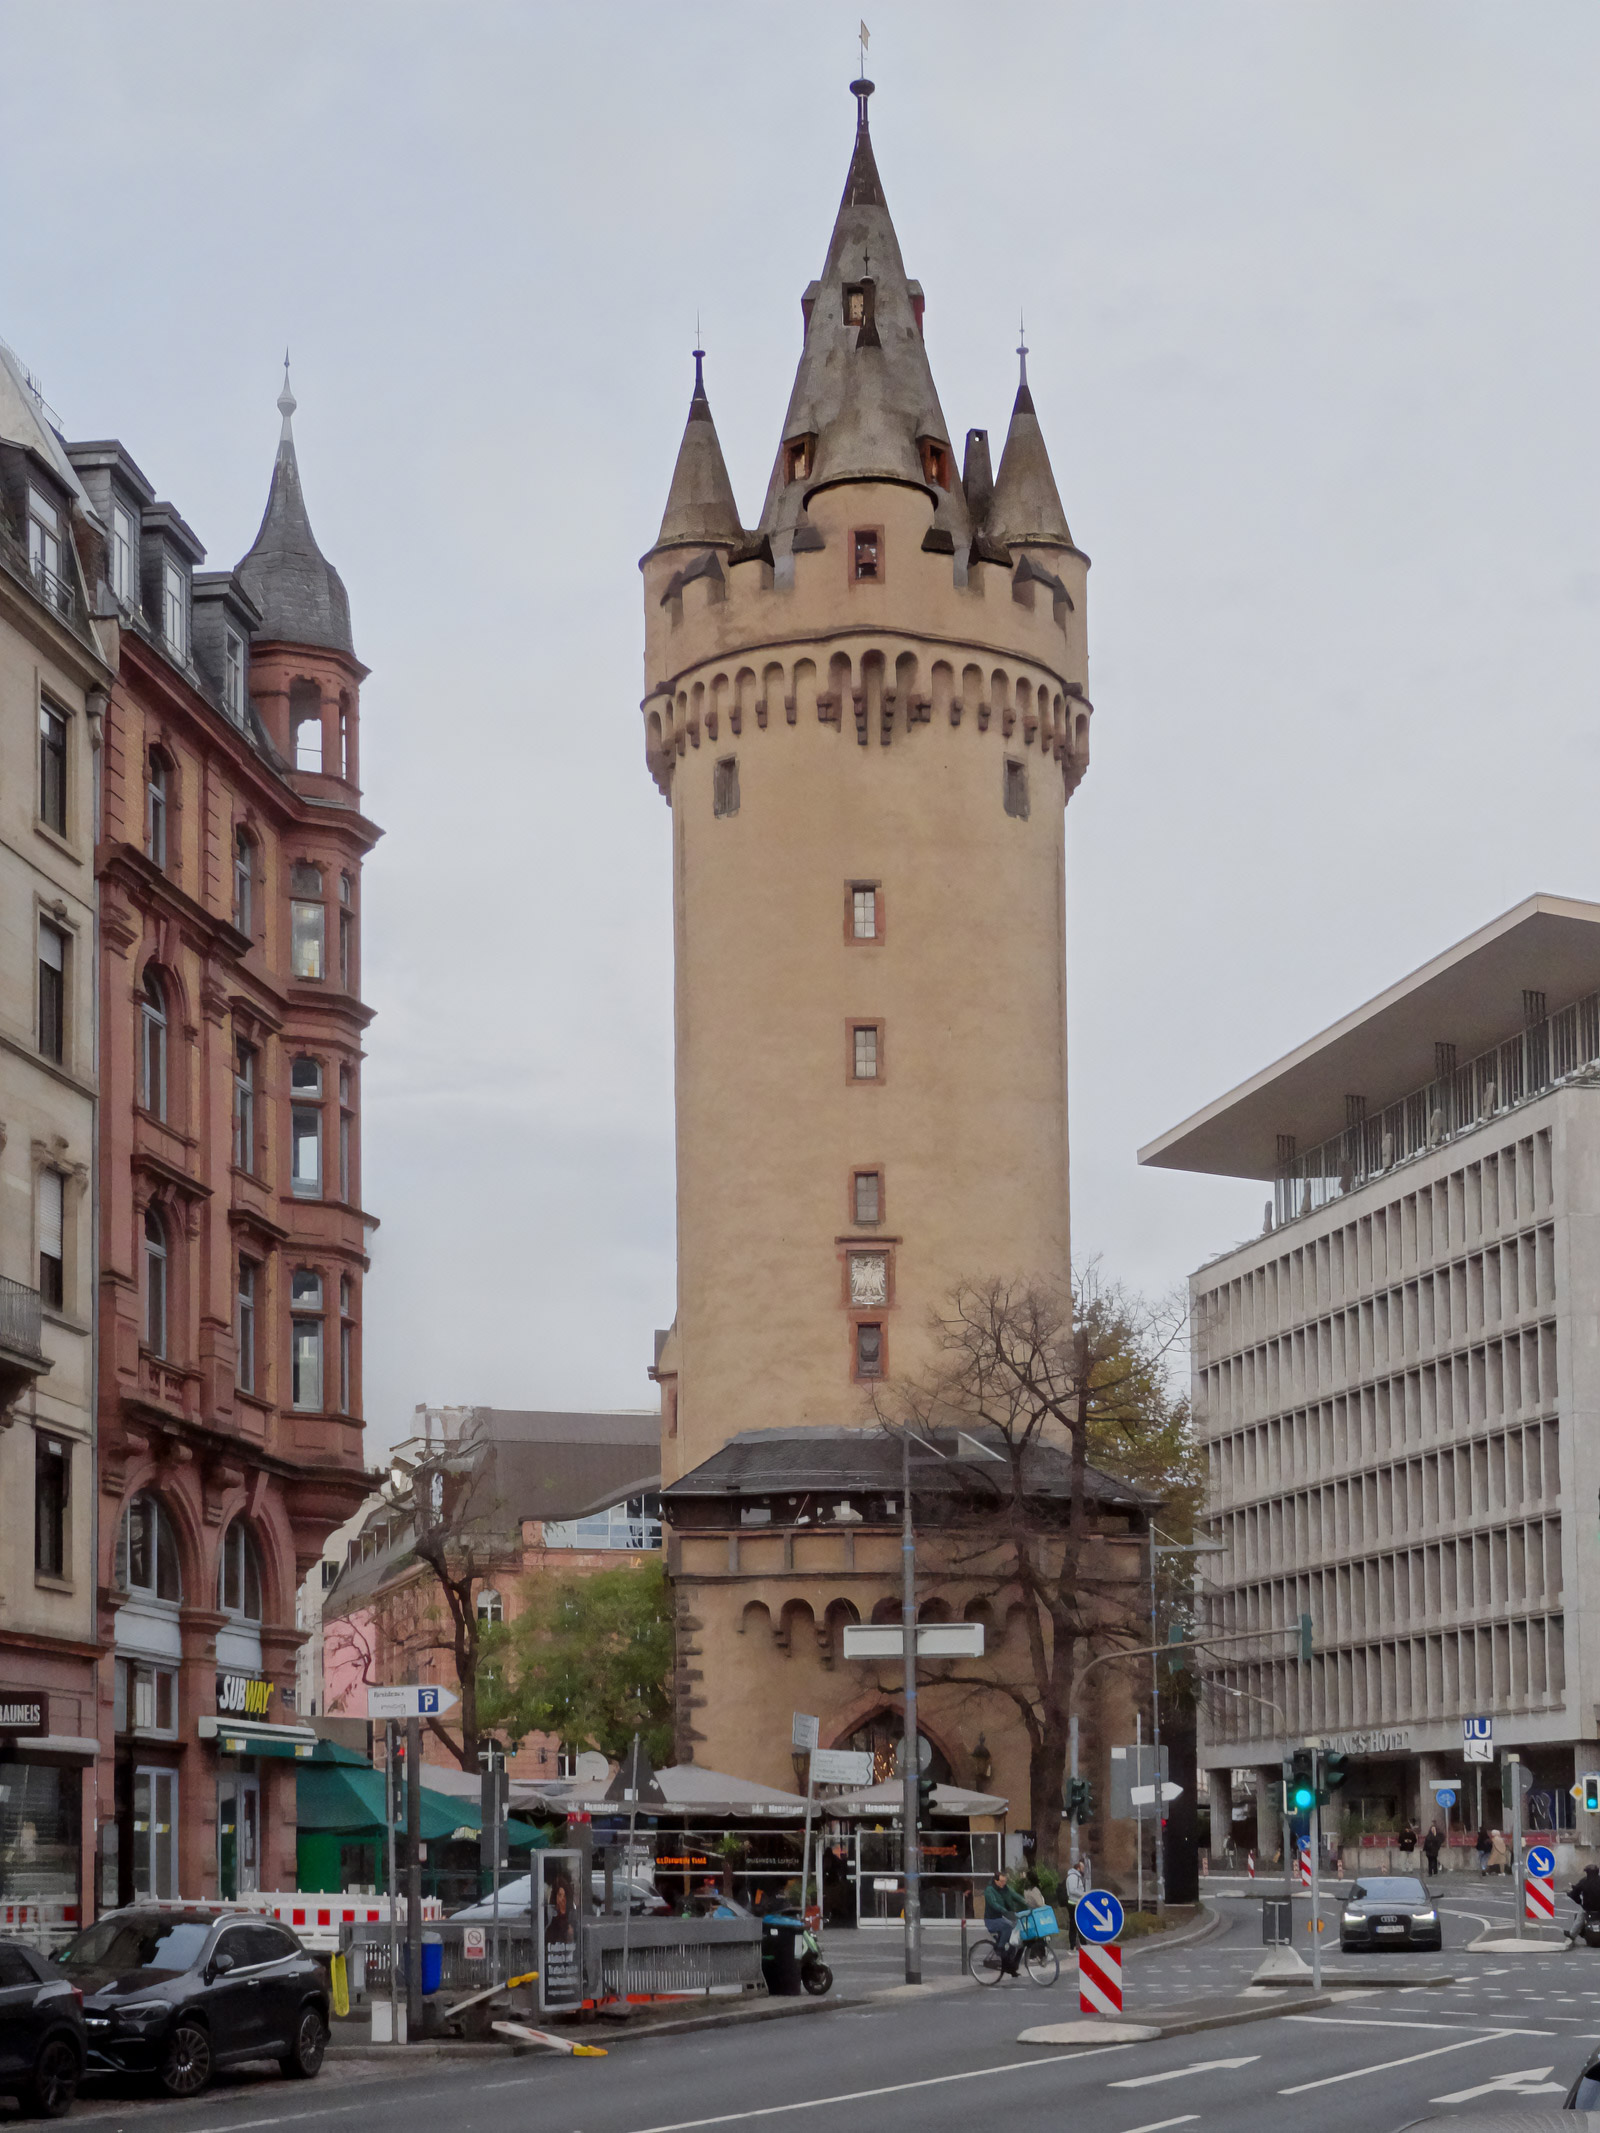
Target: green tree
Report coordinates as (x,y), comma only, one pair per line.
(588,1659)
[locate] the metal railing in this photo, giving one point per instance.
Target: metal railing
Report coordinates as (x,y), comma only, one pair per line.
(21,1319)
(1559,1047)
(55,591)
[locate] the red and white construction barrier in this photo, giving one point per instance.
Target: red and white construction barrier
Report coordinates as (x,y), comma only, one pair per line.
(1305,1867)
(1099,1979)
(1539,1898)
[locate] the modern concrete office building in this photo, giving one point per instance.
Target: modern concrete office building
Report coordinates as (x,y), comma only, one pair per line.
(1397,1382)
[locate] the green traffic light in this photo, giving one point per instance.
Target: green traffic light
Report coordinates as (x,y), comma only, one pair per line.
(1304,1797)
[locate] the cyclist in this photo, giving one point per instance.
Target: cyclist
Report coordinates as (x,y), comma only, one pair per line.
(1001,1904)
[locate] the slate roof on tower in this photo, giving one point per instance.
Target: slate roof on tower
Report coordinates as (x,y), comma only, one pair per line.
(700,503)
(300,594)
(1026,505)
(863,389)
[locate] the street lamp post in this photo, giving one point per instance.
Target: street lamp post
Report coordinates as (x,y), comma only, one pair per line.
(910,1766)
(1172,1548)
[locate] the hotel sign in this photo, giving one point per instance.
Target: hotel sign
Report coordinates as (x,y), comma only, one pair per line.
(24,1712)
(1396,1741)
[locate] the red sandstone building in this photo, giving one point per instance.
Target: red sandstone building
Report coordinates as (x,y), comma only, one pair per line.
(232,1236)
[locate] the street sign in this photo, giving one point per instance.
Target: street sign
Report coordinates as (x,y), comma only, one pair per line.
(474,1943)
(1477,1740)
(1443,1784)
(410,1701)
(803,1733)
(935,1640)
(1145,1795)
(1098,1915)
(841,1766)
(1444,1795)
(1542,1861)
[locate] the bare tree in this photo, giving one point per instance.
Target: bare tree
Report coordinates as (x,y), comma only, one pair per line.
(1053,1388)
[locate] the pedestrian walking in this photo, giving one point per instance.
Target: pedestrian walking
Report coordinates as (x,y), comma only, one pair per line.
(1483,1844)
(1408,1839)
(1430,1846)
(1499,1852)
(1072,1888)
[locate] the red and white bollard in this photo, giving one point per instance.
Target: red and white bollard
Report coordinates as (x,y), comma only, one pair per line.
(1250,1864)
(1539,1898)
(1099,1978)
(1305,1867)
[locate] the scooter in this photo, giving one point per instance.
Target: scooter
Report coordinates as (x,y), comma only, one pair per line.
(1585,1928)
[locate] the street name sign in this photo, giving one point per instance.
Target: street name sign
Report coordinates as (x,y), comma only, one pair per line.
(409,1701)
(804,1732)
(1098,1916)
(841,1766)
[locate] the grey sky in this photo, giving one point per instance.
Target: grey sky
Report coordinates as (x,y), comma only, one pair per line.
(1312,298)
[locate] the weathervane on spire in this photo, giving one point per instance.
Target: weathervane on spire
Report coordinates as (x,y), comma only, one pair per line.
(1022,347)
(864,37)
(699,355)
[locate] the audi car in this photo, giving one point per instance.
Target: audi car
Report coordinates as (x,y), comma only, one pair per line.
(180,1993)
(1389,1911)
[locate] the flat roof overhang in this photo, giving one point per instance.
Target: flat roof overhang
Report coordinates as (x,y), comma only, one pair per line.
(1470,996)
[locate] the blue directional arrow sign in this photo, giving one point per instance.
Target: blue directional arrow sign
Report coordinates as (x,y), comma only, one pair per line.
(1541,1861)
(1098,1915)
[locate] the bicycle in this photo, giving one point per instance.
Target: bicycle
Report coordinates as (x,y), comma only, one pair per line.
(1043,1965)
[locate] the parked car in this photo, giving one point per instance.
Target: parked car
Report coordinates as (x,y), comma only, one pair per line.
(43,2042)
(1389,1911)
(516,1900)
(180,1993)
(1584,2094)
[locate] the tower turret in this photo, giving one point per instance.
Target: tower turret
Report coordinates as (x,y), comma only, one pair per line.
(866,714)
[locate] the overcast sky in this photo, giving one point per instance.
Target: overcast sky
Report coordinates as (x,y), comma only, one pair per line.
(1312,297)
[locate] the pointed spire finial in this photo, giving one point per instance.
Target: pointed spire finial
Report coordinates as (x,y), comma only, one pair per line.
(699,355)
(287,403)
(1022,349)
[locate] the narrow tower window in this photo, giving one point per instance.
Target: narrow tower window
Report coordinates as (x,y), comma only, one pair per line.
(866,1051)
(725,787)
(866,555)
(869,1351)
(866,1198)
(863,912)
(1016,788)
(855,304)
(797,459)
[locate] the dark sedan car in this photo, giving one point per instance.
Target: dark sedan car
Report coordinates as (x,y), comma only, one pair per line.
(180,1993)
(42,2039)
(1389,1911)
(1584,2094)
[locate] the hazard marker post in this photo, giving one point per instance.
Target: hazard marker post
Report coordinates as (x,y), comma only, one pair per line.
(1538,1886)
(1099,1918)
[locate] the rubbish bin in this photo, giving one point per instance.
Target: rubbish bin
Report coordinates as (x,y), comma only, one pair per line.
(432,1965)
(780,1956)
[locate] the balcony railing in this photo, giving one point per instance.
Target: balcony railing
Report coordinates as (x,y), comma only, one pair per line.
(1561,1047)
(21,1319)
(55,591)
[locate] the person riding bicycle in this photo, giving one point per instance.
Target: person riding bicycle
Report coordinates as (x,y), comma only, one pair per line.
(1001,1906)
(1585,1891)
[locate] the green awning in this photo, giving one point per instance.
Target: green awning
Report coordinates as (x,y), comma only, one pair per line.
(346,1797)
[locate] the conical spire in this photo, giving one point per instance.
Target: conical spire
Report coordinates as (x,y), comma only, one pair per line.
(700,504)
(301,596)
(863,391)
(1027,504)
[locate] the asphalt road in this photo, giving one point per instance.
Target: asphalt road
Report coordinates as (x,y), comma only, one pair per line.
(1516,2026)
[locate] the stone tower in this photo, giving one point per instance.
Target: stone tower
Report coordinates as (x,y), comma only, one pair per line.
(867,713)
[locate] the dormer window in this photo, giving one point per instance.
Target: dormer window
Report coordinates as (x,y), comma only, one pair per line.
(121,559)
(44,547)
(797,458)
(233,674)
(855,304)
(175,609)
(935,461)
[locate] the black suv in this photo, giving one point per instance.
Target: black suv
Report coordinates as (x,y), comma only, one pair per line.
(181,1992)
(42,2045)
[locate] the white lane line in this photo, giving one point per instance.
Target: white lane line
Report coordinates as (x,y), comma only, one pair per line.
(1448,2029)
(893,2088)
(1180,2073)
(1357,2073)
(289,2118)
(1158,2125)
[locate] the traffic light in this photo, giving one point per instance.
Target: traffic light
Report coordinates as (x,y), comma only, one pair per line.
(1080,1800)
(924,1795)
(1591,1792)
(1335,1769)
(1177,1654)
(1302,1781)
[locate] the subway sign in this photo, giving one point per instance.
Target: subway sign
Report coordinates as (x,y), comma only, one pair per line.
(244,1695)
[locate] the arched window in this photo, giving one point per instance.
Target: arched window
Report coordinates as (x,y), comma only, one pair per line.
(239,1574)
(155,1283)
(147,1552)
(491,1608)
(156,793)
(244,874)
(153,1046)
(305,723)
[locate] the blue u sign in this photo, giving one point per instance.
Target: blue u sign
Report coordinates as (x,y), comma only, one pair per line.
(1541,1861)
(1098,1915)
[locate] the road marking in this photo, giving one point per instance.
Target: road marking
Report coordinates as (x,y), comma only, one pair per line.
(817,2103)
(1448,2029)
(289,2118)
(1178,2073)
(1357,2073)
(1529,2082)
(1160,2124)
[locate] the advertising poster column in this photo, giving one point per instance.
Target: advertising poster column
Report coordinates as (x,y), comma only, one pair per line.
(556,1878)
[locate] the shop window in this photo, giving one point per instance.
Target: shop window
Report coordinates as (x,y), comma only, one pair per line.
(155,1836)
